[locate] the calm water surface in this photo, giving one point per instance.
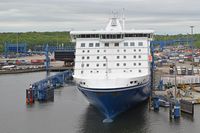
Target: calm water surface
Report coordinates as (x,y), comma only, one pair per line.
(71,113)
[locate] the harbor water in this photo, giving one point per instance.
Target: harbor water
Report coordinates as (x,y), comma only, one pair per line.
(71,113)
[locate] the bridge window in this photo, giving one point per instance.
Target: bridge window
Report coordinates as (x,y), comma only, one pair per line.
(82,44)
(140,44)
(134,56)
(88,51)
(90,44)
(132,44)
(116,44)
(88,57)
(83,57)
(83,51)
(97,45)
(117,64)
(126,44)
(106,44)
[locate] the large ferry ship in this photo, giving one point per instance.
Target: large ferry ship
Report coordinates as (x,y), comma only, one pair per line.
(112,67)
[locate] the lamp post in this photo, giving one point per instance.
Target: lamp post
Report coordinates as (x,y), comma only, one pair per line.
(192,27)
(17,44)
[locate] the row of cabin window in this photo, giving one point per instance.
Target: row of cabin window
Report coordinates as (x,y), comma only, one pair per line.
(117,64)
(117,57)
(111,36)
(126,44)
(123,71)
(134,50)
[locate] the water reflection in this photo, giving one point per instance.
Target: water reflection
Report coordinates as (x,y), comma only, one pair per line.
(134,120)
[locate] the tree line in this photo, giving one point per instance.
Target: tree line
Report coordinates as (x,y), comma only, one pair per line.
(58,38)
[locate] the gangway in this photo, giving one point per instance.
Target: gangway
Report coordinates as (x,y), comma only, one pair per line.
(43,90)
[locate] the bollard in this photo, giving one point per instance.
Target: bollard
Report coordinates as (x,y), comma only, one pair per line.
(29,96)
(156,103)
(174,110)
(177,111)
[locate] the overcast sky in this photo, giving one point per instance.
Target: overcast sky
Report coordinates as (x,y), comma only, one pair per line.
(163,16)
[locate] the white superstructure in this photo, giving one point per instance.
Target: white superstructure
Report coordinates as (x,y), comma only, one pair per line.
(112,58)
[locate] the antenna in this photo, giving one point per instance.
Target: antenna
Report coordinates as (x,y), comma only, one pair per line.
(123,19)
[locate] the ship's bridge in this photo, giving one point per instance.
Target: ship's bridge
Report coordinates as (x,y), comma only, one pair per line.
(113,32)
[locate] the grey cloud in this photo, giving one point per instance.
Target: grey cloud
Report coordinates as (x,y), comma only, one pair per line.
(172,16)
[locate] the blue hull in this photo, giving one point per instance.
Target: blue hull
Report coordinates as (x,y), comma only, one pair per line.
(112,102)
